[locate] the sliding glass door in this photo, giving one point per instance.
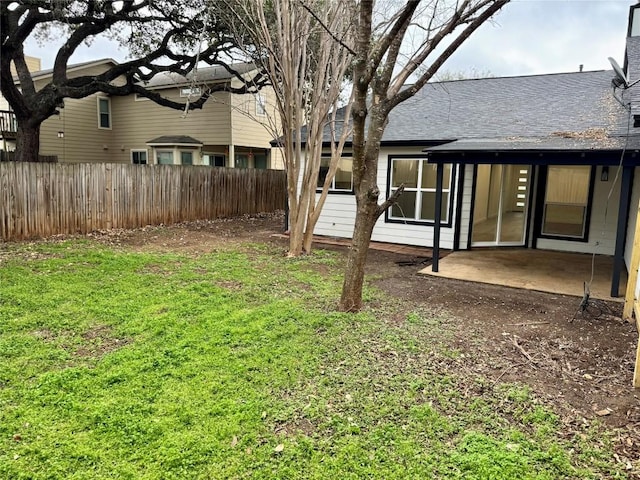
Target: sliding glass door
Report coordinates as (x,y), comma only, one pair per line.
(500,207)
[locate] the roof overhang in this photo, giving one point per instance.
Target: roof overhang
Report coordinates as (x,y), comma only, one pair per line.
(385,143)
(186,83)
(192,145)
(40,74)
(175,141)
(539,151)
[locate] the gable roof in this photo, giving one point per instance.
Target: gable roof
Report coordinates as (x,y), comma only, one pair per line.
(164,79)
(559,111)
(217,73)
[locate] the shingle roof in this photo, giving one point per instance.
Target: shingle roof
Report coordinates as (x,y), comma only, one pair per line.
(174,140)
(547,111)
(202,75)
(76,66)
(528,106)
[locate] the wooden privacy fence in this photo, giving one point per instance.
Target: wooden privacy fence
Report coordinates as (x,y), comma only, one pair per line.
(42,199)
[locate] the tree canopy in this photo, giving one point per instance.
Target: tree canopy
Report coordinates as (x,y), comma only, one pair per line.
(160,35)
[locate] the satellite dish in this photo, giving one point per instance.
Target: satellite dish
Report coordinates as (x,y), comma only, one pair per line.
(620,79)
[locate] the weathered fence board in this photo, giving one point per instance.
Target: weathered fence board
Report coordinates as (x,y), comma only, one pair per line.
(42,199)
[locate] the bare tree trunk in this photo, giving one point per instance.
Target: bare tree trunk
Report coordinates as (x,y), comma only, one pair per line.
(296,233)
(351,299)
(27,142)
(381,72)
(305,49)
(307,241)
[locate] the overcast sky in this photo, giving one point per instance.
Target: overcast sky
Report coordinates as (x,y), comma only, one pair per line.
(526,37)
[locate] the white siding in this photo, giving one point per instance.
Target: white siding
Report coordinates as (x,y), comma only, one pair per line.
(338,215)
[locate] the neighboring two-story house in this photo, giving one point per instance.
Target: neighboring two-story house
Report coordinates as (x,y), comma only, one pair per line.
(230,130)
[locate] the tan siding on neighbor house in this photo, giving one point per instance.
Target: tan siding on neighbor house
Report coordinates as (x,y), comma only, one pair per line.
(75,136)
(138,121)
(83,141)
(251,129)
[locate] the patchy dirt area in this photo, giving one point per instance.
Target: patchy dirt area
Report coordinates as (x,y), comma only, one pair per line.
(584,367)
(581,362)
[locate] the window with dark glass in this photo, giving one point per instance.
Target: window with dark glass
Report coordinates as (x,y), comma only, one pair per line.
(343,179)
(104,112)
(186,158)
(139,157)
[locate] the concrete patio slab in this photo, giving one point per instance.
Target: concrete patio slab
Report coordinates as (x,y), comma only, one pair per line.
(541,270)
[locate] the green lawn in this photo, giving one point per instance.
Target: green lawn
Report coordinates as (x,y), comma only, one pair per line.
(125,365)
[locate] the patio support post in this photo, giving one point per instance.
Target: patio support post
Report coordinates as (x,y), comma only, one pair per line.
(438,217)
(623,214)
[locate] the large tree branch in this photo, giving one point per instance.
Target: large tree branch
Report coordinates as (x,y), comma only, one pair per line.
(464,14)
(393,199)
(379,51)
(474,24)
(327,29)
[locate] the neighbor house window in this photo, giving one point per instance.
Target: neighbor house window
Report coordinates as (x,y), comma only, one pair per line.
(139,98)
(261,104)
(189,91)
(260,161)
(213,159)
(242,161)
(104,112)
(418,201)
(566,201)
(139,157)
(343,180)
(164,157)
(186,158)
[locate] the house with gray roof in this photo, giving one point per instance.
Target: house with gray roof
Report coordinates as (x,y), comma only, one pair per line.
(539,161)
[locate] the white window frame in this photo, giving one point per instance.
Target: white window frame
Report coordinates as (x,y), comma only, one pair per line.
(140,150)
(99,99)
(140,98)
(261,104)
(419,190)
(186,92)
